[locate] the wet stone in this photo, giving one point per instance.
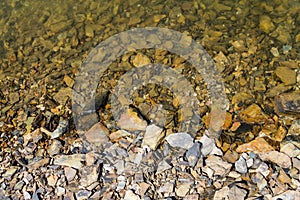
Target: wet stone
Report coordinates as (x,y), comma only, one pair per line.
(253,114)
(286,75)
(288,103)
(182,140)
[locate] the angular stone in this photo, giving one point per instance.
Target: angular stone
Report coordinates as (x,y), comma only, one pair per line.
(167,187)
(290,195)
(266,24)
(74,160)
(296,163)
(117,135)
(10,172)
(70,173)
(191,197)
(89,175)
(14,97)
(182,190)
(276,157)
(35,136)
(253,114)
(69,81)
(140,60)
(259,145)
(290,149)
(219,166)
(222,193)
(54,147)
(130,121)
(38,162)
(63,94)
(241,165)
(97,135)
(129,195)
(51,180)
(153,136)
(182,140)
(193,154)
(286,75)
(162,166)
(236,193)
(60,129)
(295,128)
(83,194)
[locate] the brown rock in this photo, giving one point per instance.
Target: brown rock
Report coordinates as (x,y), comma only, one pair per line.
(288,103)
(117,135)
(258,145)
(266,24)
(231,156)
(140,60)
(276,157)
(286,75)
(69,81)
(253,114)
(131,122)
(97,134)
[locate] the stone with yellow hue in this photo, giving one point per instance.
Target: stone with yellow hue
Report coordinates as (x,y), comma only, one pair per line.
(286,75)
(140,60)
(253,114)
(266,24)
(258,145)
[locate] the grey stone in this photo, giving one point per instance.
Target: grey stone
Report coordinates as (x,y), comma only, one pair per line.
(193,154)
(236,193)
(182,140)
(241,165)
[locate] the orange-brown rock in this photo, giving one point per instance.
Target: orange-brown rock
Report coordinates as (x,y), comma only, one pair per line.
(253,114)
(258,145)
